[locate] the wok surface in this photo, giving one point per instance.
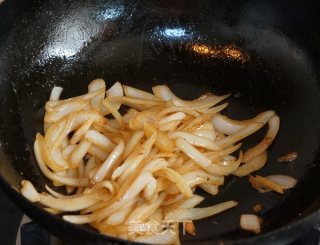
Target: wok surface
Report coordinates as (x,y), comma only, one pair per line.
(146,43)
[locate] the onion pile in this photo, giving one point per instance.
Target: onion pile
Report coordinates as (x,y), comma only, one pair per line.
(124,173)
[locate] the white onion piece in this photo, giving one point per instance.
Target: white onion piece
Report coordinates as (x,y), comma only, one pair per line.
(103,184)
(80,151)
(68,204)
(136,160)
(225,125)
(88,96)
(61,111)
(137,93)
(177,179)
(176,199)
(173,109)
(223,169)
(253,165)
(115,90)
(250,222)
(172,117)
(142,212)
(196,140)
(109,163)
(203,102)
(195,178)
(165,237)
(55,93)
(29,192)
(68,150)
(96,84)
(100,140)
(229,126)
(199,213)
(208,134)
(119,216)
(149,189)
(170,126)
(191,202)
(193,153)
(274,124)
(285,181)
(239,135)
(137,186)
(211,189)
(134,139)
(155,165)
(98,153)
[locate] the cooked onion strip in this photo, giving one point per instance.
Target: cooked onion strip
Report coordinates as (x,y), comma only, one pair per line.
(285,181)
(253,165)
(176,178)
(109,163)
(274,124)
(55,93)
(193,153)
(196,140)
(199,213)
(250,222)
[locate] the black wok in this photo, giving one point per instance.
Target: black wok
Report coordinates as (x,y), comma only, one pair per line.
(142,43)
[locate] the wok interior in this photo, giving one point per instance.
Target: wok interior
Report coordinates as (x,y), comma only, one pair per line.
(146,46)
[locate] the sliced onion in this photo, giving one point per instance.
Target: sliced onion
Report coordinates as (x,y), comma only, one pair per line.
(177,179)
(137,186)
(211,189)
(172,117)
(142,212)
(285,181)
(137,93)
(165,237)
(109,163)
(191,202)
(62,110)
(199,213)
(253,165)
(149,189)
(239,135)
(100,140)
(274,124)
(80,151)
(198,177)
(193,153)
(196,140)
(250,222)
(55,93)
(120,216)
(29,192)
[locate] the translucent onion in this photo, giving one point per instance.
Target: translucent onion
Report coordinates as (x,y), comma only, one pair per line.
(193,153)
(274,124)
(177,179)
(253,165)
(199,213)
(109,163)
(172,117)
(285,181)
(55,93)
(137,93)
(196,140)
(250,222)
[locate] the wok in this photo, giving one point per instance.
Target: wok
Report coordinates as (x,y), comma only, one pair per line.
(143,43)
